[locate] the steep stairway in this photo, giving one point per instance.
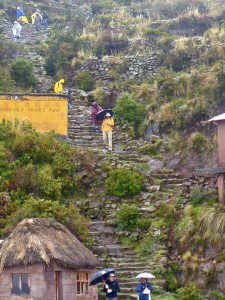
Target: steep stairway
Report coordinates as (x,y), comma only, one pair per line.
(27,48)
(124,259)
(80,132)
(161,187)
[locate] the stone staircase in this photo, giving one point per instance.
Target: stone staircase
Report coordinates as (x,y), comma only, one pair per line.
(161,187)
(80,132)
(124,259)
(26,48)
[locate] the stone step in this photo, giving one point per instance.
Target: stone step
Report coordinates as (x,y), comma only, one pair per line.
(129,265)
(173,186)
(132,272)
(124,296)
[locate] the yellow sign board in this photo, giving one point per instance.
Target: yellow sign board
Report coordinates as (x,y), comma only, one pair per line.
(46,113)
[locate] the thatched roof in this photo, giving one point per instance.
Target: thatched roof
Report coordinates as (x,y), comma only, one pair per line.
(217,119)
(44,241)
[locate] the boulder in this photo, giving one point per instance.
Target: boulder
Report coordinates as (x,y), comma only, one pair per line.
(155,165)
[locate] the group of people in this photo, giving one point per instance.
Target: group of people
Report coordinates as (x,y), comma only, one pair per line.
(39,21)
(106,126)
(111,288)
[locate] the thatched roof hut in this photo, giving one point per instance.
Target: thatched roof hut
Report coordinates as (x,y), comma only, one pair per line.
(44,241)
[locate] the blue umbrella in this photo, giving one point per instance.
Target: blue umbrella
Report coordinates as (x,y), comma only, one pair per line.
(100,276)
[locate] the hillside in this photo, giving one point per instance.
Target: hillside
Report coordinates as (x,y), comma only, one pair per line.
(161,66)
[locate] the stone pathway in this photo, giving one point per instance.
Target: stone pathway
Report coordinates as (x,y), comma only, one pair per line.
(102,209)
(27,49)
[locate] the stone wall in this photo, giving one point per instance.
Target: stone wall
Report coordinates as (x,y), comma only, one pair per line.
(42,284)
(131,67)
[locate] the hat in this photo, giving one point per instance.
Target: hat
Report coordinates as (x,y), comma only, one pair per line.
(108,115)
(111,275)
(18,8)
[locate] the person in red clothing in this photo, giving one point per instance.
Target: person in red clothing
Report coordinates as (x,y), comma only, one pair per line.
(95,108)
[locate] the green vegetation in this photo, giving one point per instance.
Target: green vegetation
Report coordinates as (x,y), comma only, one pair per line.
(45,177)
(22,73)
(127,216)
(128,111)
(85,81)
(202,225)
(124,182)
(41,176)
(189,292)
(39,208)
(198,142)
(128,219)
(218,296)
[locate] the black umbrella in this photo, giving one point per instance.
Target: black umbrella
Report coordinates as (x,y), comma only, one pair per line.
(100,276)
(101,114)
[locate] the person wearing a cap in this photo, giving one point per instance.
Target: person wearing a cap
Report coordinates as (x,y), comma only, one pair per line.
(19,13)
(111,288)
(107,130)
(144,289)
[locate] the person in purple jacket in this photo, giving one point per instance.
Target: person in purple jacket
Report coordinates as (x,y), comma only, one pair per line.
(95,108)
(144,289)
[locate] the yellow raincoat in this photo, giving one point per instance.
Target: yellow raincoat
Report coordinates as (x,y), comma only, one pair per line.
(33,17)
(108,124)
(58,87)
(24,20)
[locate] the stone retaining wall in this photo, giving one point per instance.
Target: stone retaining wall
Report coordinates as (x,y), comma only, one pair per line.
(132,67)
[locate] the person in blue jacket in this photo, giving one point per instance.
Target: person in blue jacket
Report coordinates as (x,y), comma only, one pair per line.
(141,289)
(19,13)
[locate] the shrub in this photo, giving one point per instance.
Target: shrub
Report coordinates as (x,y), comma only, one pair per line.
(101,96)
(143,224)
(46,185)
(109,44)
(197,141)
(39,208)
(202,225)
(151,32)
(85,81)
(171,282)
(129,111)
(50,66)
(217,295)
(189,292)
(6,82)
(126,217)
(124,182)
(22,73)
(40,147)
(146,246)
(197,196)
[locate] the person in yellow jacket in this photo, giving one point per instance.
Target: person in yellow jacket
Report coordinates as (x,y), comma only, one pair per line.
(36,19)
(107,130)
(58,87)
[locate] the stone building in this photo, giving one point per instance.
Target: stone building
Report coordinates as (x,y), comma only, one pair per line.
(42,260)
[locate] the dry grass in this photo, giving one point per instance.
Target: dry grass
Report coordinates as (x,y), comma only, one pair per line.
(205,224)
(44,241)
